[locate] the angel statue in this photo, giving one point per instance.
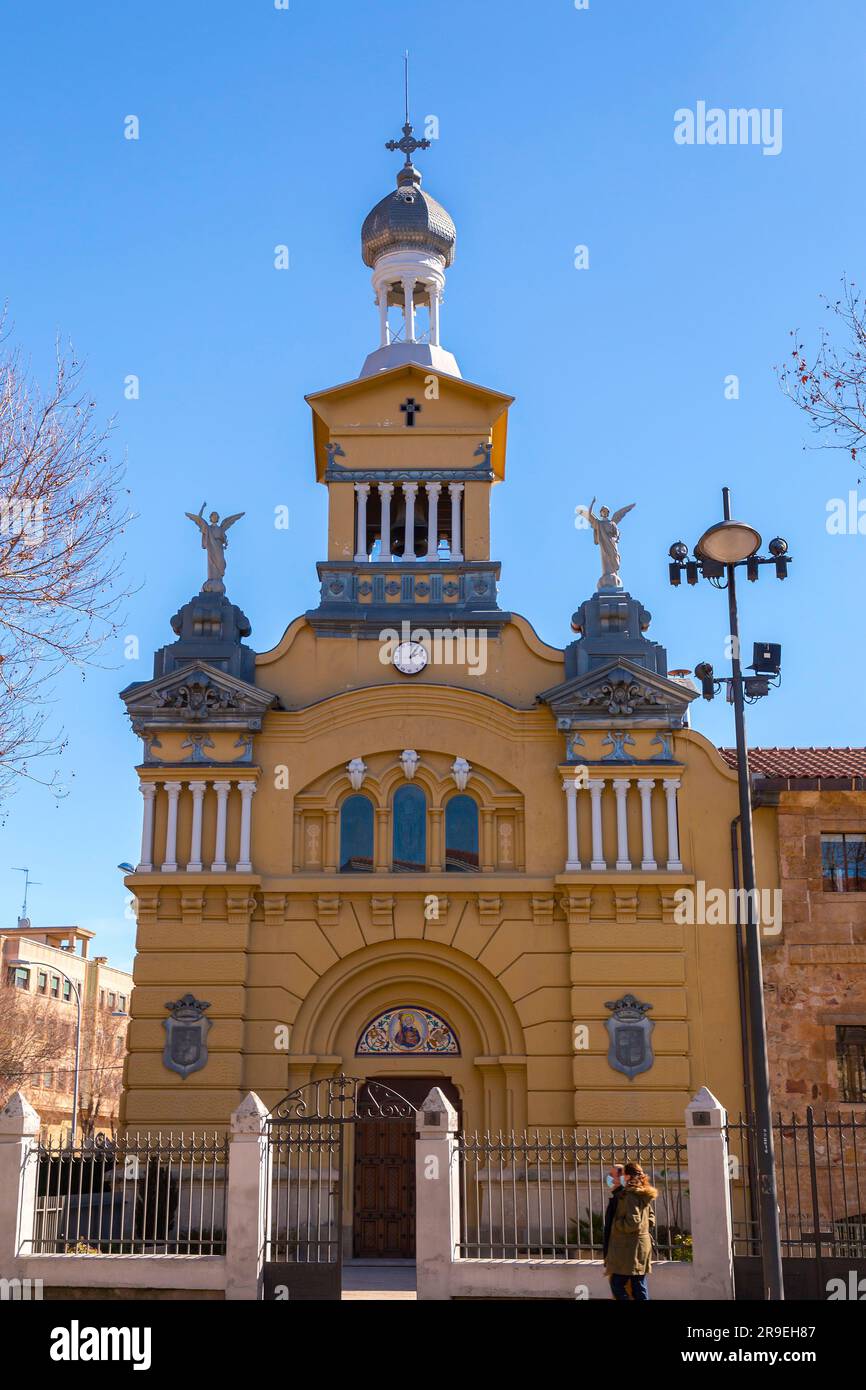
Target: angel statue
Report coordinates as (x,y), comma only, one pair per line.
(214,540)
(605,533)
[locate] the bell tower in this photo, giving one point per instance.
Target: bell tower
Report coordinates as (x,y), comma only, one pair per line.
(409,451)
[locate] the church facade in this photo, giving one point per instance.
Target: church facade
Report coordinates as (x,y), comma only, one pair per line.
(413,841)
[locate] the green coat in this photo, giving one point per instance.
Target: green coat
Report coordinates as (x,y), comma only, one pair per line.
(630,1247)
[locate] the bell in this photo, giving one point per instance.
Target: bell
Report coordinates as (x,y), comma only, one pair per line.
(398,527)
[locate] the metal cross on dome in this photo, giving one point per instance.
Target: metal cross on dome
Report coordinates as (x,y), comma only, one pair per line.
(408,145)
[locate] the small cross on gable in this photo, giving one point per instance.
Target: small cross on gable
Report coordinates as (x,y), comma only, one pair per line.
(410,410)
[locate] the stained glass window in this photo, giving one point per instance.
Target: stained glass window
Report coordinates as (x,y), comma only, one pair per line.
(461,835)
(356,835)
(410,831)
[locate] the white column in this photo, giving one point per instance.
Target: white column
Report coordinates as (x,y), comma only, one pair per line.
(384,331)
(362,491)
(386,491)
(197,790)
(671,786)
(620,787)
(169,864)
(148,792)
(433,490)
(246,789)
(572,863)
(434,315)
(409,308)
(222,790)
(456,490)
(645,787)
(409,492)
(596,787)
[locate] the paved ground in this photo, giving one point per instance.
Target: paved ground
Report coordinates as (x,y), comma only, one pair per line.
(379,1279)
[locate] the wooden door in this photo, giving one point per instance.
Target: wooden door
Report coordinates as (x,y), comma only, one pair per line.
(384,1189)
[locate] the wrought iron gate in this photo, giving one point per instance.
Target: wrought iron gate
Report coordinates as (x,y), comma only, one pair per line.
(822,1205)
(306,1154)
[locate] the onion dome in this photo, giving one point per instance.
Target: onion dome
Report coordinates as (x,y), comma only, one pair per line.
(408,219)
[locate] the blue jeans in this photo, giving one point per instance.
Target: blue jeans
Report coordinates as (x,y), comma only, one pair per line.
(639,1290)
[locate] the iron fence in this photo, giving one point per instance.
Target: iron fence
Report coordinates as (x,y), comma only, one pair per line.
(543,1196)
(821,1189)
(135,1195)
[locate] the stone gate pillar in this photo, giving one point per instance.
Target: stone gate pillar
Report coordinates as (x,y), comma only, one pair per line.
(437,1196)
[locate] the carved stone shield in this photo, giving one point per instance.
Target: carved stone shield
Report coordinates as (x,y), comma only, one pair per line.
(630,1033)
(186,1032)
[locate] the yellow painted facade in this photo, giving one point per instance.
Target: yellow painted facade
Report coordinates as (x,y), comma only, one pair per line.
(592,800)
(519,958)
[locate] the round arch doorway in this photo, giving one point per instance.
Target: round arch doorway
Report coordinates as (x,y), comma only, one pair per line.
(383,1187)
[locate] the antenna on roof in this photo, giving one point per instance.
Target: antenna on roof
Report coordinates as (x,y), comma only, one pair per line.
(28,884)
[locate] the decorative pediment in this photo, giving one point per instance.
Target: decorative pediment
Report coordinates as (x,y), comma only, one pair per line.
(196,695)
(622,690)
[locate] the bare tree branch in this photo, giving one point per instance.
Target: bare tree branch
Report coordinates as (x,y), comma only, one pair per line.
(62,510)
(831,390)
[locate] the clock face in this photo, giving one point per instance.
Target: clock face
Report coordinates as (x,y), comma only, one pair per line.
(410,658)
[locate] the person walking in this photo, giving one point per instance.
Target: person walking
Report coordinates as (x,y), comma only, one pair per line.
(629,1249)
(614,1181)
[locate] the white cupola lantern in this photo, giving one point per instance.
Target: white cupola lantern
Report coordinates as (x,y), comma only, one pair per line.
(408,241)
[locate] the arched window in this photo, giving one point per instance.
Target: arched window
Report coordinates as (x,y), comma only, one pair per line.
(410,831)
(461,836)
(356,835)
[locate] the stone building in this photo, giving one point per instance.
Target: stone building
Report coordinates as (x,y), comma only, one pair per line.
(49,962)
(815,969)
(413,841)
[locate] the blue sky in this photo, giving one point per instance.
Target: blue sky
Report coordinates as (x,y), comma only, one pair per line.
(261,126)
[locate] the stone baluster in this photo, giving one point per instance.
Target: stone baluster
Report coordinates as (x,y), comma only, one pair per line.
(433,490)
(671,786)
(247,791)
(148,793)
(456,490)
(197,791)
(169,864)
(596,787)
(572,863)
(222,789)
(362,492)
(409,492)
(623,858)
(645,787)
(386,492)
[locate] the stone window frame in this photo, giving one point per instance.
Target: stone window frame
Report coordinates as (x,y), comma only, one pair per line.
(831,1019)
(825,832)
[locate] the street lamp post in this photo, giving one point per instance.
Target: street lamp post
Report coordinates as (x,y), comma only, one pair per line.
(718,554)
(76,1082)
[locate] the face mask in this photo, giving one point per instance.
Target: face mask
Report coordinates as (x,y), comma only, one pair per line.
(612,1182)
